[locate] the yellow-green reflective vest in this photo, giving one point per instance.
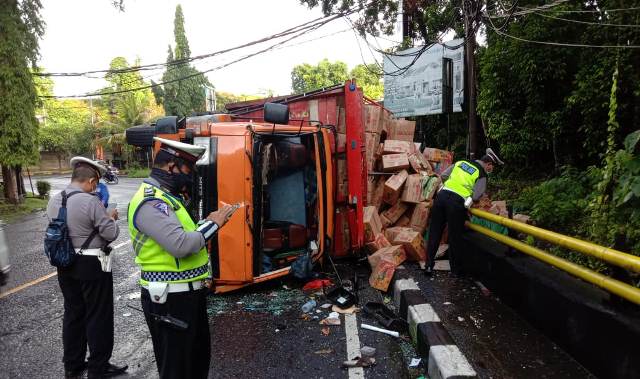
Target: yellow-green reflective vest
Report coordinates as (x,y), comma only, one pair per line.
(463,177)
(156,264)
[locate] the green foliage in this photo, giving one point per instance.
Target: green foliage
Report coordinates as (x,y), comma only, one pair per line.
(20,30)
(306,77)
(138,172)
(183,91)
(561,202)
(11,212)
(224,98)
(43,187)
(369,77)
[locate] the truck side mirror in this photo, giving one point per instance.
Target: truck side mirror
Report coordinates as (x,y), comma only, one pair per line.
(276,113)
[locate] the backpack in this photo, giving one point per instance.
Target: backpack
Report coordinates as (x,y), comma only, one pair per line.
(57,243)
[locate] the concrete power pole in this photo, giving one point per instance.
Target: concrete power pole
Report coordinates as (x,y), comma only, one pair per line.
(471,12)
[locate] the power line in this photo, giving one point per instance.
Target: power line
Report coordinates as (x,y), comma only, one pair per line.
(594,10)
(560,43)
(155,66)
(271,47)
(545,7)
(587,22)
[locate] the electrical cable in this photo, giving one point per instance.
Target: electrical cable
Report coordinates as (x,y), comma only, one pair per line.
(499,32)
(309,25)
(587,22)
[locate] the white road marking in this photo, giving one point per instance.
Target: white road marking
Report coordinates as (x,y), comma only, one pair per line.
(121,244)
(353,344)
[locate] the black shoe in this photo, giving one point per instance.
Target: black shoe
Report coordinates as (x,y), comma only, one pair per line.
(428,271)
(113,370)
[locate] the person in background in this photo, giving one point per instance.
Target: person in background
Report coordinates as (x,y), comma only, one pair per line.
(87,289)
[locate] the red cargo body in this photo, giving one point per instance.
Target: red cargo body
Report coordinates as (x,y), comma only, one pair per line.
(322,106)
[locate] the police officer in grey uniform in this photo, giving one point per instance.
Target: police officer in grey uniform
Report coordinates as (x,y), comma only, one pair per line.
(87,289)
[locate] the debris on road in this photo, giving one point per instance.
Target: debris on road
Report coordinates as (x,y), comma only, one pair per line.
(332,319)
(442,266)
(326,331)
(134,295)
(323,351)
(317,284)
(485,291)
(368,351)
(415,362)
(309,306)
(359,362)
(126,314)
(461,319)
(349,311)
(326,306)
(376,329)
(447,303)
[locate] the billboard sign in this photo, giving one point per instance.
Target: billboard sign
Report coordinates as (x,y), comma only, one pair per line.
(418,90)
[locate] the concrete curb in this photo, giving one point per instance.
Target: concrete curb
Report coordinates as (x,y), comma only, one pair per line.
(445,360)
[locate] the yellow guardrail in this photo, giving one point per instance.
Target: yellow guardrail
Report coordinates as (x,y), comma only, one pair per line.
(614,286)
(615,257)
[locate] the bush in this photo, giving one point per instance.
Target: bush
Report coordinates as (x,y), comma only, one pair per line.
(561,203)
(138,173)
(43,188)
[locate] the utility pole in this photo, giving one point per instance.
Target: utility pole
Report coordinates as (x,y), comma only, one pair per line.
(471,12)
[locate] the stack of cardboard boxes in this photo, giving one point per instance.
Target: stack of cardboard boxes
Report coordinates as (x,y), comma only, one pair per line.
(400,190)
(401,185)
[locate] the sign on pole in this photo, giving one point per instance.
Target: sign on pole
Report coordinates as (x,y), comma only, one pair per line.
(413,81)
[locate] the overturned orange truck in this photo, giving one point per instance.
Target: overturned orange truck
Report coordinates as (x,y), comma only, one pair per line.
(298,171)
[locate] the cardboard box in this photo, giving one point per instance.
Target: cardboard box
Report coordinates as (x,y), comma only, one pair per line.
(379,242)
(395,162)
(377,191)
(393,187)
(402,130)
(341,126)
(341,142)
(413,189)
(420,217)
(440,159)
(420,164)
(387,122)
(372,140)
(393,214)
(395,254)
(404,221)
(522,218)
(436,155)
(382,275)
(373,118)
(392,146)
(372,223)
(392,232)
(499,208)
(413,244)
(430,185)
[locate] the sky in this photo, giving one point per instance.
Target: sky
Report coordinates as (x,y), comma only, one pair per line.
(84,35)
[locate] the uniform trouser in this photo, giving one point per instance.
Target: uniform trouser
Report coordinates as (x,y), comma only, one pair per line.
(88,319)
(448,209)
(180,353)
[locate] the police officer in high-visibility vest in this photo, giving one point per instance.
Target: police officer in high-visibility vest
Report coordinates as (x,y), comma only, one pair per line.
(464,183)
(170,250)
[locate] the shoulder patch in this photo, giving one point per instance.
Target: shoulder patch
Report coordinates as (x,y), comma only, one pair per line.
(149,191)
(162,207)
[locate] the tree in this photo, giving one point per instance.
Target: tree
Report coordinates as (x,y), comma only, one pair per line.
(305,77)
(183,91)
(224,98)
(21,28)
(369,77)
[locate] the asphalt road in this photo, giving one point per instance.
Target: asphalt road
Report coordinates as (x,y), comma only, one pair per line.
(260,331)
(257,331)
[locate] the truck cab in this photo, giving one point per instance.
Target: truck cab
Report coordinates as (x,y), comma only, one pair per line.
(280,171)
